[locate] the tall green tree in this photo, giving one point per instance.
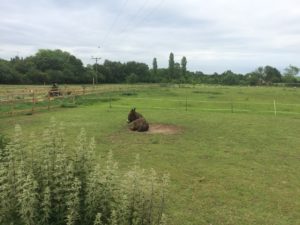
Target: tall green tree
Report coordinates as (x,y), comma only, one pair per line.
(183,66)
(7,74)
(229,78)
(290,73)
(256,77)
(177,72)
(271,75)
(171,66)
(154,66)
(115,72)
(62,67)
(140,70)
(154,72)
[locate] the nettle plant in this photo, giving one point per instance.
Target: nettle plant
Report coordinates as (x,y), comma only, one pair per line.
(45,181)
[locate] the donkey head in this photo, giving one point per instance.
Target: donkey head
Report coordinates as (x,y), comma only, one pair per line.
(133,115)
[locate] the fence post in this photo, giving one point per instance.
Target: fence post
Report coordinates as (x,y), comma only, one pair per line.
(186,105)
(109,101)
(275,111)
(33,102)
(48,101)
(12,105)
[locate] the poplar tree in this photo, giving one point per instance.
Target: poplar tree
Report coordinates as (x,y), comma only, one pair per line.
(154,65)
(171,66)
(183,67)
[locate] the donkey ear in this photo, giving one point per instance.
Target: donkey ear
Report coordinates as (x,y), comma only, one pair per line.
(133,109)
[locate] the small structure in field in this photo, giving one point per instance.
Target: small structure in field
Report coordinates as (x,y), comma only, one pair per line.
(54,91)
(137,122)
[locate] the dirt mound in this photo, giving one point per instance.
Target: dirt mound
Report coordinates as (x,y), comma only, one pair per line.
(163,129)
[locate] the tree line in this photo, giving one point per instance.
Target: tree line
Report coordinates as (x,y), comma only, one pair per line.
(56,66)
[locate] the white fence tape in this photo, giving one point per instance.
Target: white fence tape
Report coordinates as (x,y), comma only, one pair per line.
(217,102)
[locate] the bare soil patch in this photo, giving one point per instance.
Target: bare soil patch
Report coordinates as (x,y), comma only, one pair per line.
(163,129)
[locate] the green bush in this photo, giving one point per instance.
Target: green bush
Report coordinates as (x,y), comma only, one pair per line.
(3,143)
(45,181)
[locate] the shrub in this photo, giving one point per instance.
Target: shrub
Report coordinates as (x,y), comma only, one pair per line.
(3,143)
(45,181)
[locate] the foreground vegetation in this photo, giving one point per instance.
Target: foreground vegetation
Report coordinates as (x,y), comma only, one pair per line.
(43,181)
(225,167)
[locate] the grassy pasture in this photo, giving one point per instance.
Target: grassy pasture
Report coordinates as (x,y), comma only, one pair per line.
(233,161)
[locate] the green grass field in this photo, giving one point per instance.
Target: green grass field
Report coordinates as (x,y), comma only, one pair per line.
(233,161)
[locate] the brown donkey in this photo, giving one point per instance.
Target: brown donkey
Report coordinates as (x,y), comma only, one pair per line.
(137,122)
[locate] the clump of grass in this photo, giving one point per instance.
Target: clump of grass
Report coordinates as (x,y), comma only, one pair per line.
(68,105)
(109,99)
(208,92)
(154,141)
(164,85)
(129,93)
(91,101)
(211,97)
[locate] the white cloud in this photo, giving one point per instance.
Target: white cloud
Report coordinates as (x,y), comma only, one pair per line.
(215,35)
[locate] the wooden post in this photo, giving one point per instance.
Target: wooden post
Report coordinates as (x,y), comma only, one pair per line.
(12,105)
(33,102)
(275,111)
(109,101)
(186,104)
(48,101)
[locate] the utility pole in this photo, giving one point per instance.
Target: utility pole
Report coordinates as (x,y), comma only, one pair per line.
(96,58)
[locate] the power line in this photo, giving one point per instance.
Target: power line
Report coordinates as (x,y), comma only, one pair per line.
(155,8)
(137,12)
(152,11)
(114,22)
(133,23)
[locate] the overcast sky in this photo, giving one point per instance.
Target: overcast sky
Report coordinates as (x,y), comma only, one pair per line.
(214,35)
